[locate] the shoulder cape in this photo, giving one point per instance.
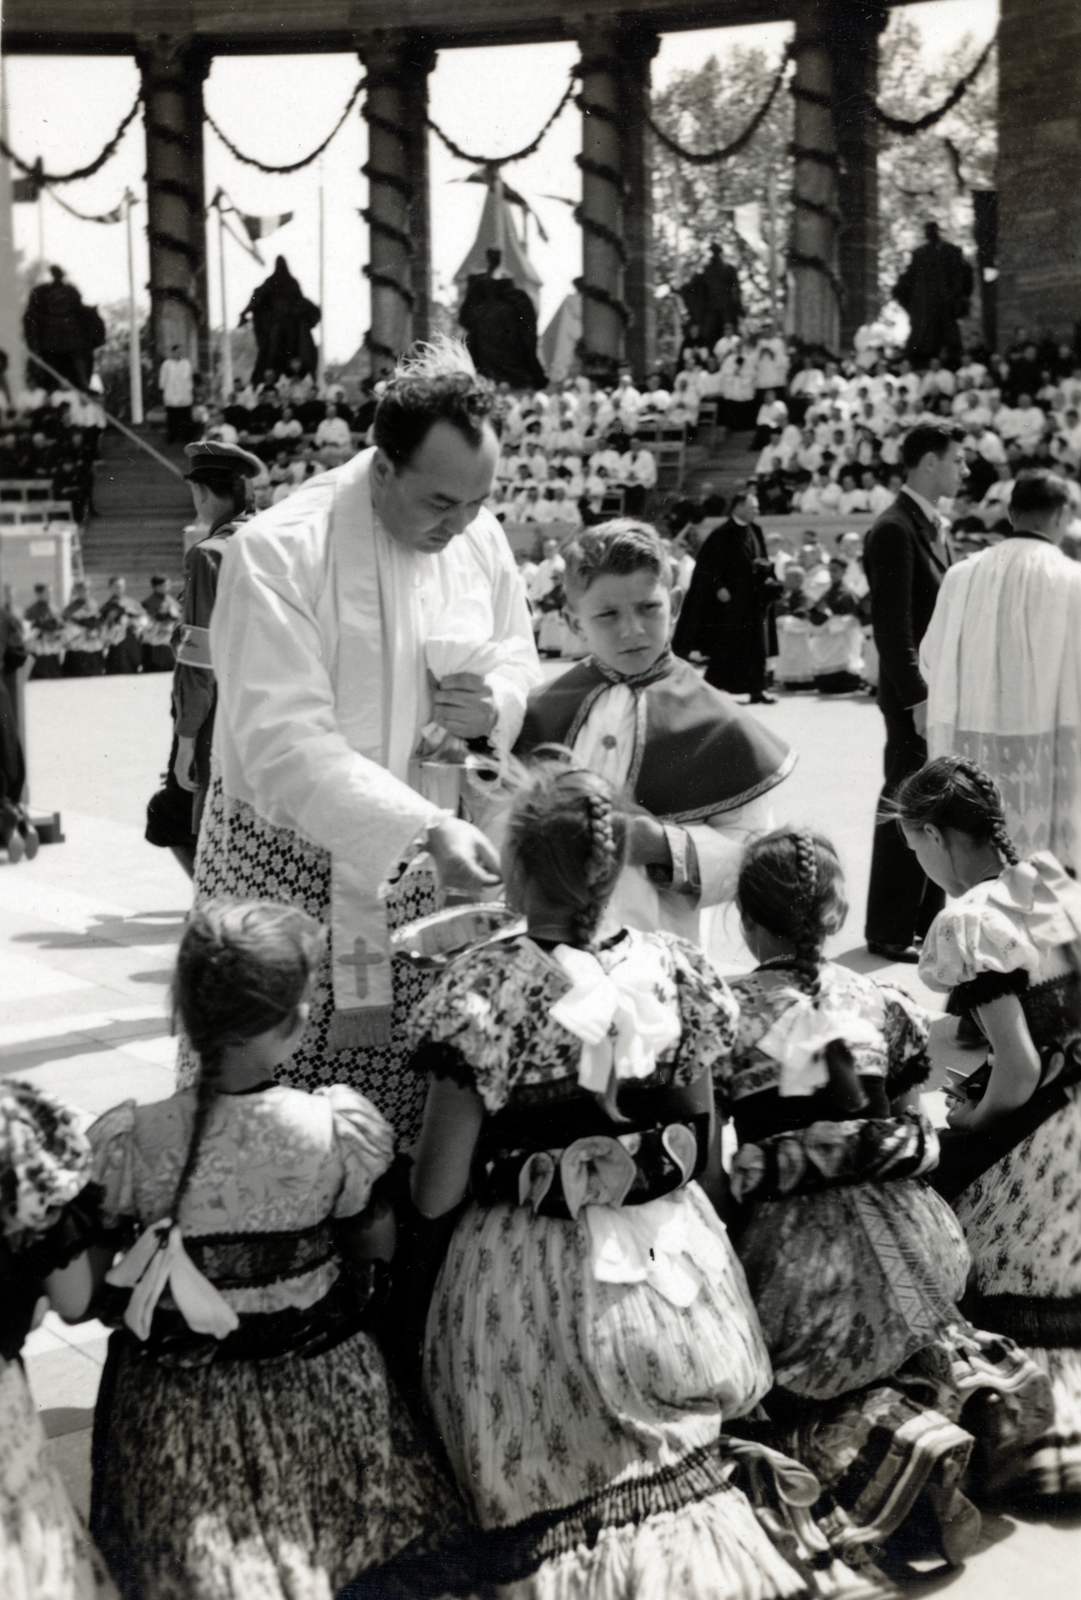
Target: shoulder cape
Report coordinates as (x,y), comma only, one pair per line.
(702,752)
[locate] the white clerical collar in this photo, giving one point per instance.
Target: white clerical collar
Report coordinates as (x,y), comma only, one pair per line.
(929,511)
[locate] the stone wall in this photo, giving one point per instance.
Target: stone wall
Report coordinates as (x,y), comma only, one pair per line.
(1039,167)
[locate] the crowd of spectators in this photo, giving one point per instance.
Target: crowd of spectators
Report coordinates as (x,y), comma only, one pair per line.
(829,440)
(297,426)
(53,439)
(88,637)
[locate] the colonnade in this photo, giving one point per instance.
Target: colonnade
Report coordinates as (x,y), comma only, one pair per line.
(833,255)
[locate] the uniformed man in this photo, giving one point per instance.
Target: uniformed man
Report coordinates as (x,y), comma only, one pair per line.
(220,476)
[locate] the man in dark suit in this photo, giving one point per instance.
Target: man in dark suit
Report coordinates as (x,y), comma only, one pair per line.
(905,558)
(725,613)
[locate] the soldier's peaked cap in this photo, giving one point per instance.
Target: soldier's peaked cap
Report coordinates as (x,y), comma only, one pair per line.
(211,455)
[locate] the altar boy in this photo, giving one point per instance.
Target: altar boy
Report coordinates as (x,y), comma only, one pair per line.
(694,768)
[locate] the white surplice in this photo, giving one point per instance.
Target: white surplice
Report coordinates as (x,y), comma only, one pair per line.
(317,640)
(707,853)
(1002,659)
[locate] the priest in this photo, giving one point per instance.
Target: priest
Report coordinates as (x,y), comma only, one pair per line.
(337,613)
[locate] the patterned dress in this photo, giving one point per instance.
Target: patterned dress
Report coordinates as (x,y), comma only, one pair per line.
(243,857)
(281,1463)
(45,1553)
(1020,1211)
(584,1352)
(855,1266)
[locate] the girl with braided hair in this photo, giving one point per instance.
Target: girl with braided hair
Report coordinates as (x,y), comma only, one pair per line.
(590,1332)
(856,1267)
(247,1438)
(1006,948)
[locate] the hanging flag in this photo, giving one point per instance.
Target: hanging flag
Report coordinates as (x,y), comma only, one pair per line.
(747,221)
(25,191)
(261,227)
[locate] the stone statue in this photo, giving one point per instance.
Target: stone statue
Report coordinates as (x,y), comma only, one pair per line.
(283,321)
(62,331)
(501,328)
(935,289)
(712,298)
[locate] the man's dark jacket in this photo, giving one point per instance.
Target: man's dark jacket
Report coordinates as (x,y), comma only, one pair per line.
(905,571)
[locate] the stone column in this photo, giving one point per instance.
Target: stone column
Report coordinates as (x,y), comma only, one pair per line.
(173,71)
(637,47)
(399,257)
(600,215)
(856,26)
(813,257)
(419,61)
(1039,140)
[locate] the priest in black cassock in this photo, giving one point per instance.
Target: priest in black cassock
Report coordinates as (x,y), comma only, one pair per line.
(725,616)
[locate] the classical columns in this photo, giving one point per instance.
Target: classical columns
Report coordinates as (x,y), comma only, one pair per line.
(1039,200)
(604,255)
(814,257)
(399,258)
(636,49)
(854,40)
(173,71)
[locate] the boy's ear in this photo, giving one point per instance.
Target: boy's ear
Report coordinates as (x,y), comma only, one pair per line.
(677,603)
(570,617)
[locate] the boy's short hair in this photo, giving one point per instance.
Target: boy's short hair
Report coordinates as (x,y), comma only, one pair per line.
(619,547)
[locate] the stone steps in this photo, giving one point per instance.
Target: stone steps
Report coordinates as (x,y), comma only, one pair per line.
(141,512)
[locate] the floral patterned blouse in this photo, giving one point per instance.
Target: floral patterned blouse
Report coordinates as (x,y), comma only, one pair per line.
(893,1048)
(492,1007)
(274,1162)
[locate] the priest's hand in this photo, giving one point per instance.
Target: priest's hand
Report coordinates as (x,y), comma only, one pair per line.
(647,843)
(184,765)
(464,705)
(466,863)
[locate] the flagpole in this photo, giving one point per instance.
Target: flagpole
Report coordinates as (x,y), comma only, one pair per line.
(321,354)
(135,365)
(226,342)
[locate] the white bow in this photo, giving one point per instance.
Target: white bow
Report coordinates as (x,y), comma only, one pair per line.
(621,1022)
(798,1040)
(652,1244)
(158,1258)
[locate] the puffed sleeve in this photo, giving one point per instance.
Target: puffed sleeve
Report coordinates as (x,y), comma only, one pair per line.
(112,1141)
(971,937)
(365,1145)
(907,1029)
(472,1010)
(709,1013)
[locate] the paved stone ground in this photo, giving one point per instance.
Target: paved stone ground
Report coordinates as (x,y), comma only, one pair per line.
(88,932)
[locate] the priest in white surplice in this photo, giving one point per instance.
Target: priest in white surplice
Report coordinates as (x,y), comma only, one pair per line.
(1002,659)
(330,608)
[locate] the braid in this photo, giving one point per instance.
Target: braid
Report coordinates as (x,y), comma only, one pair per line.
(206,1092)
(988,790)
(808,935)
(603,852)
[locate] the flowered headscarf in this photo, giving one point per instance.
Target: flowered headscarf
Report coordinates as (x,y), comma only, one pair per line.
(44,1157)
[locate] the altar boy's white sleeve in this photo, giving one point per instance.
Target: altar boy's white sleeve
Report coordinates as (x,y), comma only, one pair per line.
(719,844)
(277,734)
(517,668)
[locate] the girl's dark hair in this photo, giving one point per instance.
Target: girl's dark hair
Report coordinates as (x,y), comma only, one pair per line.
(241,970)
(953,792)
(792,885)
(565,833)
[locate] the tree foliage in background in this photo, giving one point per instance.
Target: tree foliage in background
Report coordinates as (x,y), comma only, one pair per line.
(928,176)
(692,205)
